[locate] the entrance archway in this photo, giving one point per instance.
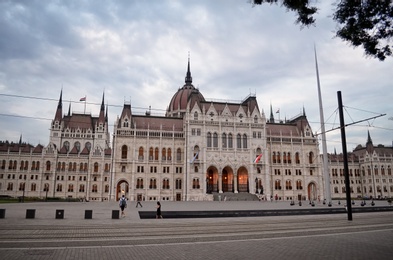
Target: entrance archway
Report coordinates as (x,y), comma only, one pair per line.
(242,180)
(122,188)
(211,180)
(227,179)
(312,191)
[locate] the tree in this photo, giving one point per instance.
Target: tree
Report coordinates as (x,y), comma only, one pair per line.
(366,23)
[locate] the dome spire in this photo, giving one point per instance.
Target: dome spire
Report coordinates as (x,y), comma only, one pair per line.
(188,76)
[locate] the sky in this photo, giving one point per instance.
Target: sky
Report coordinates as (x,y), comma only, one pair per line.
(137,51)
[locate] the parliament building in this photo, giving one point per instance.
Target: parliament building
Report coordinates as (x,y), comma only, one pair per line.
(199,150)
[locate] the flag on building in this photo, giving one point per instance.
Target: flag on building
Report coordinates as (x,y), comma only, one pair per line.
(193,159)
(258,158)
(83,99)
(278,111)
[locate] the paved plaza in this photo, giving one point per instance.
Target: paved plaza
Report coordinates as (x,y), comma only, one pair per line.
(332,236)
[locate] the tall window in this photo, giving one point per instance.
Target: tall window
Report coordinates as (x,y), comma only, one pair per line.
(94,188)
(153,183)
(209,139)
(195,183)
(165,183)
(139,183)
(277,185)
(239,141)
(156,154)
(140,153)
(96,167)
(178,154)
(297,158)
(245,141)
(178,184)
(215,140)
(230,141)
(151,154)
(82,188)
(195,115)
(124,152)
(163,154)
(224,140)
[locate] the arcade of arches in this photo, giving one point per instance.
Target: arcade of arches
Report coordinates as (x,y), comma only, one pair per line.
(227,180)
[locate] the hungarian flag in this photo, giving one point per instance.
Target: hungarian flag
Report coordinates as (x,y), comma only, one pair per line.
(258,158)
(83,99)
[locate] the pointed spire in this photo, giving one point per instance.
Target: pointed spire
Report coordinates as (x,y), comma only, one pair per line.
(271,114)
(69,109)
(101,118)
(106,113)
(188,80)
(59,110)
(304,111)
(369,141)
(20,139)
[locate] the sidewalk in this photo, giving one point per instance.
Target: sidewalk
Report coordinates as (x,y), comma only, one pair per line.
(74,212)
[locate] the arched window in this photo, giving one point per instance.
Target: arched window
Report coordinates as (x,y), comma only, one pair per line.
(274,157)
(278,157)
(209,139)
(78,146)
(156,154)
(195,115)
(139,183)
(277,185)
(82,188)
(106,188)
(70,188)
(46,187)
(289,158)
(165,184)
(48,165)
(107,165)
(151,154)
(239,141)
(96,167)
(74,167)
(88,146)
(244,141)
(178,154)
(94,188)
(297,158)
(195,183)
(169,154)
(284,157)
(70,166)
(3,164)
(224,140)
(163,154)
(288,185)
(178,184)
(215,140)
(63,166)
(153,183)
(66,144)
(311,157)
(230,141)
(140,153)
(299,185)
(255,119)
(59,187)
(124,149)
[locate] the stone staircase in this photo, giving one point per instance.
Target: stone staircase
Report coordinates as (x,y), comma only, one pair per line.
(230,196)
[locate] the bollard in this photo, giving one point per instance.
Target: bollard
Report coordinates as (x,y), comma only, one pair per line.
(115,214)
(88,214)
(30,213)
(2,213)
(59,213)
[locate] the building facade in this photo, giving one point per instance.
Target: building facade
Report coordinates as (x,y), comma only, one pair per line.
(199,149)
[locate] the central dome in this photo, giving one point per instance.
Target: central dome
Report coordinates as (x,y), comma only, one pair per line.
(188,93)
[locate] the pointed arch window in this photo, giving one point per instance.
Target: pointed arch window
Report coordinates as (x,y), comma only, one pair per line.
(244,141)
(278,157)
(239,141)
(82,188)
(140,153)
(96,167)
(209,139)
(230,141)
(169,154)
(215,140)
(163,154)
(195,115)
(124,150)
(165,184)
(139,183)
(297,158)
(156,151)
(224,140)
(255,119)
(178,184)
(277,185)
(178,154)
(153,183)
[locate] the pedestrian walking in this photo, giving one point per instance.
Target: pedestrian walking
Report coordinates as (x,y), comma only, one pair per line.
(158,215)
(123,205)
(138,201)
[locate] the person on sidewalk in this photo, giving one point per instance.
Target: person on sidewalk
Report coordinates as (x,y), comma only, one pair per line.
(138,201)
(123,205)
(158,215)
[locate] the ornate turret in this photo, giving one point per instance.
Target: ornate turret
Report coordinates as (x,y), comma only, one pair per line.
(59,110)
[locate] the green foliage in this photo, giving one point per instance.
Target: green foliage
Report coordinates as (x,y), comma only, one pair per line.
(366,23)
